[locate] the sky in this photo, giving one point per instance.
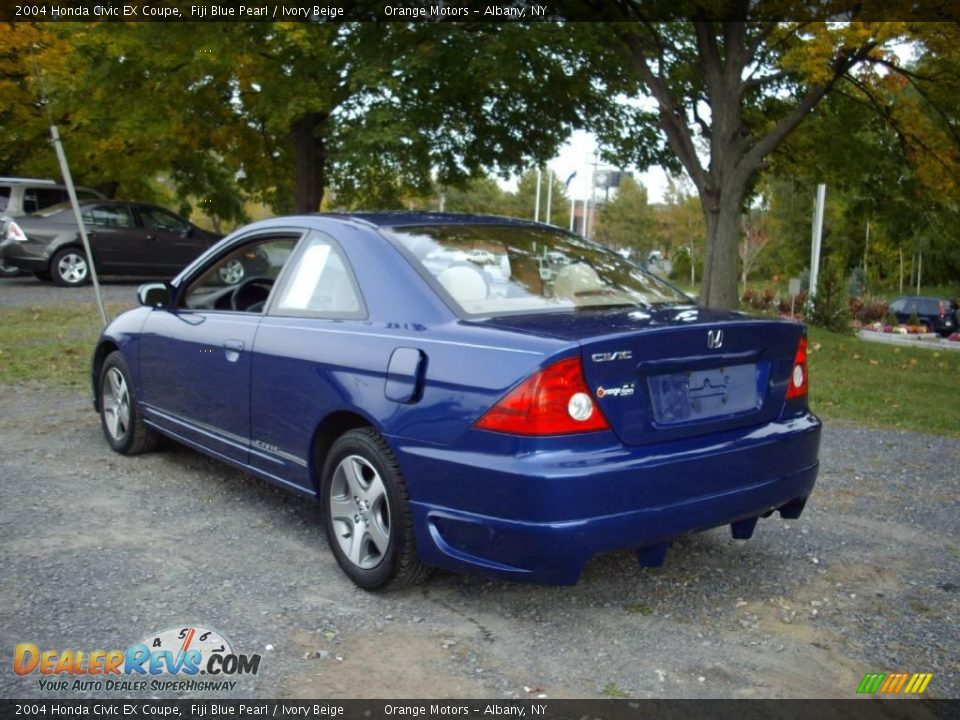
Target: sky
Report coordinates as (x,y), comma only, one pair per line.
(577,155)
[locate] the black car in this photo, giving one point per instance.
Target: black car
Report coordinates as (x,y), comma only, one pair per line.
(127,238)
(938,314)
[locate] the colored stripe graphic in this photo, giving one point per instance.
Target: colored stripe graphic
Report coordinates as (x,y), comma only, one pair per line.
(871,683)
(892,683)
(918,683)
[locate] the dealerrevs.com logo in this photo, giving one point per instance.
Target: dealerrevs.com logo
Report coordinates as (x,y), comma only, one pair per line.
(172,660)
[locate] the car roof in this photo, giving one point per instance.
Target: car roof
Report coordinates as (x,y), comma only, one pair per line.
(416,218)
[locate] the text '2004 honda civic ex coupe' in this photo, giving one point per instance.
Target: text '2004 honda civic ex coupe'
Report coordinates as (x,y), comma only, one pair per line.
(466,392)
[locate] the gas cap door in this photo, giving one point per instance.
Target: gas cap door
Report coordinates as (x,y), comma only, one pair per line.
(405,375)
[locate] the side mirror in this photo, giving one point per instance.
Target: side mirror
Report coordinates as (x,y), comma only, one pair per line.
(154,295)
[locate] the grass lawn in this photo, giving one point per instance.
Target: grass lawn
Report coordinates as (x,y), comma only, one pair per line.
(50,344)
(884,385)
(866,382)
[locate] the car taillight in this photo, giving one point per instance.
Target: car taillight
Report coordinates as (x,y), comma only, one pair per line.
(798,375)
(552,401)
(15,233)
(943,311)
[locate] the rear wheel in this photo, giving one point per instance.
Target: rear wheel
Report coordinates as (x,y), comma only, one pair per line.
(366,513)
(120,416)
(70,268)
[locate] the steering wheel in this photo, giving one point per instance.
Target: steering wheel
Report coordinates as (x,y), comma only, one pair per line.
(251,294)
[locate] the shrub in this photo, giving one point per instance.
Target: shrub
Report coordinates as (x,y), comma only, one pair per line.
(799,301)
(830,309)
(872,309)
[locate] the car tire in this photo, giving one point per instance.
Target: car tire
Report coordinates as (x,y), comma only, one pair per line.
(120,415)
(366,513)
(70,267)
(44,276)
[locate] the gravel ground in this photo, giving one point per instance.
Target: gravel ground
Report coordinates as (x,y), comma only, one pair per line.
(98,550)
(26,291)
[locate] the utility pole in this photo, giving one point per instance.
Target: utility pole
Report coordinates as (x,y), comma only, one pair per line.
(817,238)
(536,205)
(549,193)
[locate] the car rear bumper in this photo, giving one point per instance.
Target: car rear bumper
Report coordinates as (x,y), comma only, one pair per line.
(25,256)
(642,497)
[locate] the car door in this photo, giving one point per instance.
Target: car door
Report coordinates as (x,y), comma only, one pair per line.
(195,358)
(899,309)
(299,355)
(176,241)
(118,243)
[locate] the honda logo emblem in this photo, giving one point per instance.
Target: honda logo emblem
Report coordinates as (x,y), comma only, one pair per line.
(714,339)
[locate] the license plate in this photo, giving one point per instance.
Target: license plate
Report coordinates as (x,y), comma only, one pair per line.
(704,394)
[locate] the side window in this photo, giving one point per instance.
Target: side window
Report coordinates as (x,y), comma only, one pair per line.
(242,279)
(897,306)
(4,198)
(108,216)
(45,197)
(160,219)
(320,284)
(910,306)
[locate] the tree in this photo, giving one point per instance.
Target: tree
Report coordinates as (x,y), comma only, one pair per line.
(627,220)
(727,92)
(679,229)
(522,202)
(277,112)
(755,239)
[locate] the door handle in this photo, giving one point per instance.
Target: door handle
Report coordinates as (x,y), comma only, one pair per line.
(232,349)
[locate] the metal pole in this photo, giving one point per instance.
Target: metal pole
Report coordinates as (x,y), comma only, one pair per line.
(549,193)
(817,238)
(68,181)
(593,197)
(866,246)
(573,211)
(919,268)
(536,206)
(901,270)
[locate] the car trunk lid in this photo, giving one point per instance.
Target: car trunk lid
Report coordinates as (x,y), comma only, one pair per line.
(676,372)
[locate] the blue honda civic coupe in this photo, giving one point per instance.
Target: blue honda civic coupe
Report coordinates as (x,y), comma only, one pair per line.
(465,392)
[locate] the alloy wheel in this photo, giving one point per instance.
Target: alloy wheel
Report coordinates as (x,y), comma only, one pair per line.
(73,268)
(115,400)
(360,511)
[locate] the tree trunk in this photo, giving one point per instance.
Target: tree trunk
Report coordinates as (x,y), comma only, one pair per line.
(719,289)
(309,162)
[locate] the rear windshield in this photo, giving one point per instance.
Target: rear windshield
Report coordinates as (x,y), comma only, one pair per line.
(508,269)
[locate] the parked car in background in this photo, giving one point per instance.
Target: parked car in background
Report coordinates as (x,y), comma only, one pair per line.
(22,196)
(446,416)
(937,313)
(127,238)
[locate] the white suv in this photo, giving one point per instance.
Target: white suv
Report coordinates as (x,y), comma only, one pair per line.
(22,196)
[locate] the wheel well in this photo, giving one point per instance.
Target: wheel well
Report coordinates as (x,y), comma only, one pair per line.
(103,349)
(332,427)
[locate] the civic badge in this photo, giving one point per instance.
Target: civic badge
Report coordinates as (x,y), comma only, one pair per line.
(714,339)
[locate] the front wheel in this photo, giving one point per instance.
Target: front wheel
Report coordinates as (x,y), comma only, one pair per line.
(366,513)
(70,268)
(120,416)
